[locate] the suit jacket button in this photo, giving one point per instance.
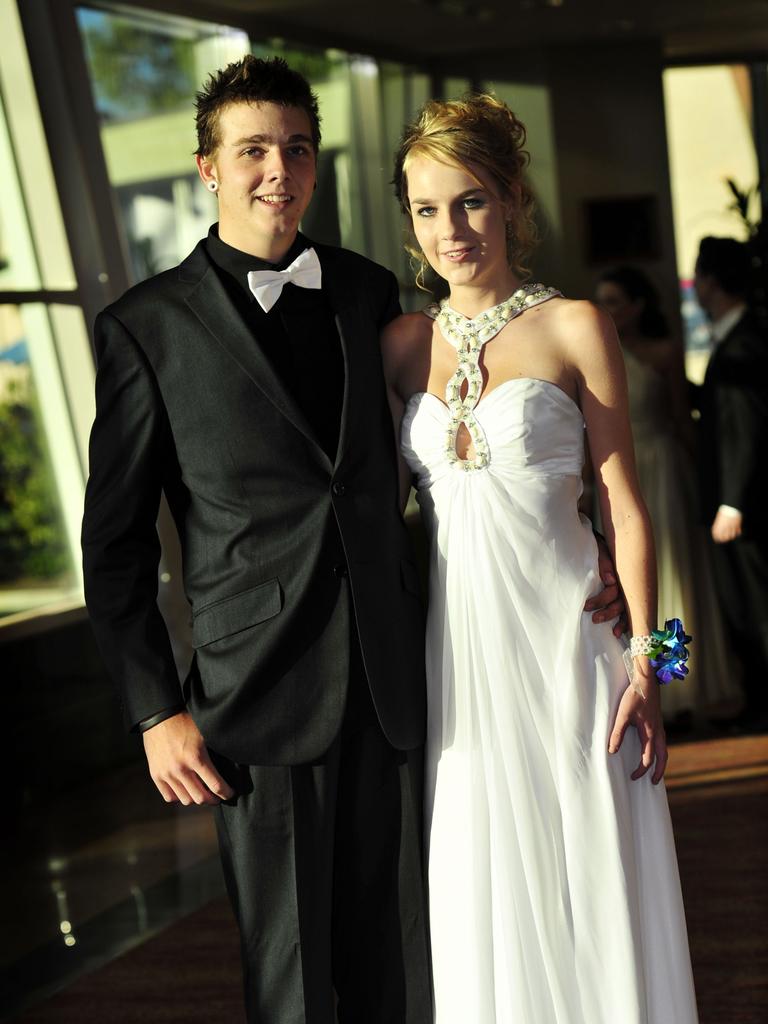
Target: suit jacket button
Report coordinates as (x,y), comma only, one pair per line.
(338,488)
(340,570)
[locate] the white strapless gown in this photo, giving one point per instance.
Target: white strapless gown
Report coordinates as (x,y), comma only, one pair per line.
(554,890)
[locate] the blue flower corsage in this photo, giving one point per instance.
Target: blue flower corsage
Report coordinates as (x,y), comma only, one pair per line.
(666,649)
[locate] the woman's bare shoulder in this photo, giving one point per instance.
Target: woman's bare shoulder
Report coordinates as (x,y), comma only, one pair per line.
(578,314)
(407,329)
(404,339)
(579,328)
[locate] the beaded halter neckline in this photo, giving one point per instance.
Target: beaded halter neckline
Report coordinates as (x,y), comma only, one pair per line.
(468,337)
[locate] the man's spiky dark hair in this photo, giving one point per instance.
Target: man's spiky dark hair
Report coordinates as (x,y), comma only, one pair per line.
(251,80)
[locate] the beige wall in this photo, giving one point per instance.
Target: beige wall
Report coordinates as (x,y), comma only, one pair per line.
(611,142)
(608,140)
(710,139)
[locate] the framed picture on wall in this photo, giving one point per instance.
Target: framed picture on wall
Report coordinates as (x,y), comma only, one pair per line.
(621,229)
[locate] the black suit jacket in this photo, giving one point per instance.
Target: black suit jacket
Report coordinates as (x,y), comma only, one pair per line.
(273,531)
(734,425)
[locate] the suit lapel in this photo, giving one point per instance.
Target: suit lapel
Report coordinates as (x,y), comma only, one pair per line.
(209,301)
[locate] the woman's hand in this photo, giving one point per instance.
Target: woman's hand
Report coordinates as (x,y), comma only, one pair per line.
(645,716)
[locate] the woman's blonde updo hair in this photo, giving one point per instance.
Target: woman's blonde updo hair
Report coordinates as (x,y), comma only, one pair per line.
(479,130)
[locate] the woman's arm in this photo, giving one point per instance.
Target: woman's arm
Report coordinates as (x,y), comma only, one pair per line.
(594,352)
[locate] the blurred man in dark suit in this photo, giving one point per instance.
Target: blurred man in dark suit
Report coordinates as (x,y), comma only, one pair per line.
(733,446)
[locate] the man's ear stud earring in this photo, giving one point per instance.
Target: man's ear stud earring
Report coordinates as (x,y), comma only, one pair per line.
(213,185)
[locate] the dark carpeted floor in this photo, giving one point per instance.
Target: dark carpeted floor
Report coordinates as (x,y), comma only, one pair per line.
(718,795)
(188,973)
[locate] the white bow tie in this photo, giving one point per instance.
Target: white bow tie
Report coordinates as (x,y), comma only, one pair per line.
(267,285)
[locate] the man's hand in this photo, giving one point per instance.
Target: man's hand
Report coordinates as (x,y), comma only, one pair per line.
(180,765)
(609,603)
(726,527)
(645,716)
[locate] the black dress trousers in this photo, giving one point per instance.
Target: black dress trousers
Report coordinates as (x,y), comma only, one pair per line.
(323,866)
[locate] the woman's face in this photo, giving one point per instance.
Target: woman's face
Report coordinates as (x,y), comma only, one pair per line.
(625,311)
(459,220)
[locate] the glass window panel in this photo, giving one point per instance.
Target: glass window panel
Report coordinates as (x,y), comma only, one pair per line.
(40,497)
(382,99)
(148,136)
(317,66)
(75,362)
(145,70)
(26,172)
(335,215)
(18,266)
(709,137)
(370,159)
(403,93)
(46,370)
(456,88)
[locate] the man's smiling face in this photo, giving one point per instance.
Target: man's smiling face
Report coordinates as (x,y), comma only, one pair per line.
(264,168)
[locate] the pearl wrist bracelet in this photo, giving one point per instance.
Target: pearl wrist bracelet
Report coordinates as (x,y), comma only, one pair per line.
(666,650)
(642,645)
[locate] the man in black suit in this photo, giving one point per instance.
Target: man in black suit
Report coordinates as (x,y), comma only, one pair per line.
(270,433)
(733,446)
(247,385)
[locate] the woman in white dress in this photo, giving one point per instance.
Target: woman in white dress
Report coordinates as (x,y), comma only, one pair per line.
(554,892)
(663,434)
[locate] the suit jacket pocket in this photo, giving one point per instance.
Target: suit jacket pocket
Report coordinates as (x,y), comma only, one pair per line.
(234,614)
